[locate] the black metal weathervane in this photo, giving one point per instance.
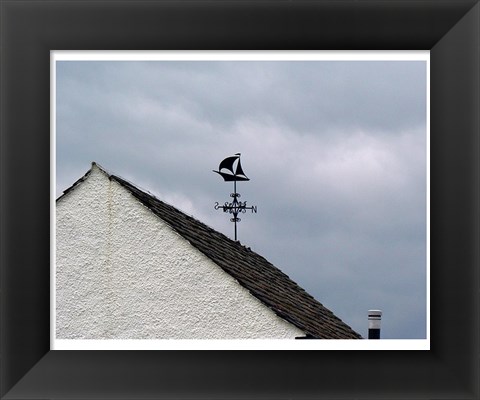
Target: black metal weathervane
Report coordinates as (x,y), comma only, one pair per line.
(234,173)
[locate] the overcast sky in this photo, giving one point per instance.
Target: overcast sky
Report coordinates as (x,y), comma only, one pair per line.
(335,152)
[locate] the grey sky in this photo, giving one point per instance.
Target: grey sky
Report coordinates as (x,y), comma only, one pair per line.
(336,154)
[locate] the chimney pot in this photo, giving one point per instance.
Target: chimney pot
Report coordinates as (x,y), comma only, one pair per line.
(374,321)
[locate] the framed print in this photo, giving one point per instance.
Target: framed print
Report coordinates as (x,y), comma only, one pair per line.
(30,31)
(346,203)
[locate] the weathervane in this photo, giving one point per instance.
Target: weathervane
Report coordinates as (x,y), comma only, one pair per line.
(234,174)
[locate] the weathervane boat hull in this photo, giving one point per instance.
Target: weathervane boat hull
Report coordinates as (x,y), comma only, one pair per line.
(231,178)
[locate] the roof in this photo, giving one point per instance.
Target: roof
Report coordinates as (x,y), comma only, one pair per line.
(262,279)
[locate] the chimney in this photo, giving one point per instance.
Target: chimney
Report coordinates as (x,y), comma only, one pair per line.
(374,321)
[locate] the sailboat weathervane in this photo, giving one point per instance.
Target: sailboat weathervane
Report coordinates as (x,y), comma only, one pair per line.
(234,173)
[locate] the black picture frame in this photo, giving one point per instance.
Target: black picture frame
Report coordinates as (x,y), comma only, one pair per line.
(30,29)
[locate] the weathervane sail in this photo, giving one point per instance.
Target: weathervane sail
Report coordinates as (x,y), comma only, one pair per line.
(235,174)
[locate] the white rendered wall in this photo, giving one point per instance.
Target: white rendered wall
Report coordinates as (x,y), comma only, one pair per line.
(122,273)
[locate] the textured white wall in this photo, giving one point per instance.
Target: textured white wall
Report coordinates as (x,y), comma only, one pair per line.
(122,273)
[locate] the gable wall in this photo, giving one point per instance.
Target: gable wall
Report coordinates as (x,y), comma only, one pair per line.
(122,273)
